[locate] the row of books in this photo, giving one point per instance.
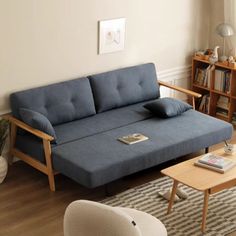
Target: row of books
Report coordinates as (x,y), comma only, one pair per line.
(222,106)
(222,112)
(222,80)
(205,104)
(203,76)
(216,163)
(223,102)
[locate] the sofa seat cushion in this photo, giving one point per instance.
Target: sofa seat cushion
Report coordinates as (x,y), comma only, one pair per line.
(125,86)
(60,102)
(101,122)
(101,158)
(82,128)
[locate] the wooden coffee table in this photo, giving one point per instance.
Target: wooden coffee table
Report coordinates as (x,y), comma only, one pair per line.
(201,179)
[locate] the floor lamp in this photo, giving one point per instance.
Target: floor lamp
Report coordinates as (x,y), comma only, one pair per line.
(224,30)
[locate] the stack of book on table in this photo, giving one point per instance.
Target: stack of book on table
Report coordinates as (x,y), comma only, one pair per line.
(216,163)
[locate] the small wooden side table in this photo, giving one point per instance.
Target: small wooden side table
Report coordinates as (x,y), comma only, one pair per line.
(201,179)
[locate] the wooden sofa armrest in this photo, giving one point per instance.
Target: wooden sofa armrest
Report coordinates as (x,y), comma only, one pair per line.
(177,88)
(45,168)
(182,90)
(28,128)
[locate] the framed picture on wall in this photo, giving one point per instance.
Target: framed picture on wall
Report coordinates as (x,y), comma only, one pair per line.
(111,35)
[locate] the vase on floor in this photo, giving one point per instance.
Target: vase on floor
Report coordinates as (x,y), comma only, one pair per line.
(3,168)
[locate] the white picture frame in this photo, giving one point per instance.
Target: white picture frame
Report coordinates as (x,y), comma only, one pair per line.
(111,35)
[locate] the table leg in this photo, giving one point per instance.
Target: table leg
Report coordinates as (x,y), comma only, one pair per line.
(205,208)
(174,188)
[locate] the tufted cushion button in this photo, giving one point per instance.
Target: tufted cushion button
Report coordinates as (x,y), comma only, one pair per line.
(119,87)
(140,83)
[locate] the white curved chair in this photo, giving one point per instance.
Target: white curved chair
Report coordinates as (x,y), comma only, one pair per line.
(87,218)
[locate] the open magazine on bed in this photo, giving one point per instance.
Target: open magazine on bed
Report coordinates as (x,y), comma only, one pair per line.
(133,138)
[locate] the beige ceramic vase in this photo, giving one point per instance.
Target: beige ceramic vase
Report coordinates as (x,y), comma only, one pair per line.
(3,168)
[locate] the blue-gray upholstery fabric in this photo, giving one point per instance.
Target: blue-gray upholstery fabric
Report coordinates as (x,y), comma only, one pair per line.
(167,107)
(124,87)
(60,102)
(101,122)
(85,127)
(30,145)
(101,158)
(37,121)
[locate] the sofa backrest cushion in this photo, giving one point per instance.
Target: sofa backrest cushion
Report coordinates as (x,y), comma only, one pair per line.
(60,102)
(124,87)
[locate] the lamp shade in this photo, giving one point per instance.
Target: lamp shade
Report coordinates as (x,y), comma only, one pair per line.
(224,30)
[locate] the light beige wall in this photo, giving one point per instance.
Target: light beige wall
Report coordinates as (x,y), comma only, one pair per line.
(44,41)
(216,17)
(220,14)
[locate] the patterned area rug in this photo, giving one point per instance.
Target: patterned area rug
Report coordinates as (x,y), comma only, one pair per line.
(186,215)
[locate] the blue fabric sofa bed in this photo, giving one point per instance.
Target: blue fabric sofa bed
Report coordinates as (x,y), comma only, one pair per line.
(85,117)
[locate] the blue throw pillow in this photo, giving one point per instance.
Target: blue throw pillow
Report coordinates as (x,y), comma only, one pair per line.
(37,121)
(167,107)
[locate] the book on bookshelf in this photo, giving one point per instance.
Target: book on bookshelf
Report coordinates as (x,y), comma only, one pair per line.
(222,112)
(205,104)
(222,80)
(222,171)
(133,138)
(214,160)
(234,118)
(223,102)
(203,76)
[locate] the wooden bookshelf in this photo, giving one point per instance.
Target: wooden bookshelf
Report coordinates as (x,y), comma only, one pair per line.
(227,91)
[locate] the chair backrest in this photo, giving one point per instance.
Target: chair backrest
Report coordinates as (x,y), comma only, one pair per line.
(86,218)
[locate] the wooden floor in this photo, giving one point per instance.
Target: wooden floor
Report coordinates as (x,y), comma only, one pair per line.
(29,208)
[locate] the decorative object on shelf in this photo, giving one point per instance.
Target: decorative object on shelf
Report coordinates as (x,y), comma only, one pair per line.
(214,57)
(200,53)
(4,125)
(231,59)
(231,62)
(204,54)
(224,30)
(111,35)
